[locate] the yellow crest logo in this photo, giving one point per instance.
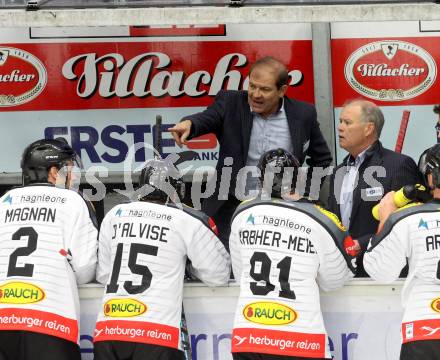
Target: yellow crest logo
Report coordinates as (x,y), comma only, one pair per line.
(17,292)
(435,305)
(269,313)
(124,308)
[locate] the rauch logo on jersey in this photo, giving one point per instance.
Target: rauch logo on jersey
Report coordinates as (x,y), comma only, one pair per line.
(124,308)
(20,293)
(269,313)
(435,305)
(390,70)
(22,76)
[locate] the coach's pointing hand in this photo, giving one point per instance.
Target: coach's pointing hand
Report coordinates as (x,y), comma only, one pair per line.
(181,132)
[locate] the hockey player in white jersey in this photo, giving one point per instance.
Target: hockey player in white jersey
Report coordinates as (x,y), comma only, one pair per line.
(413,233)
(282,250)
(48,245)
(143,247)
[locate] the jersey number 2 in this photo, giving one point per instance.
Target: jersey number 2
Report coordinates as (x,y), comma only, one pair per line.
(26,269)
(263,275)
(135,268)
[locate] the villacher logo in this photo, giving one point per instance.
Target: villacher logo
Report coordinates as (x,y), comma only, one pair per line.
(22,76)
(390,70)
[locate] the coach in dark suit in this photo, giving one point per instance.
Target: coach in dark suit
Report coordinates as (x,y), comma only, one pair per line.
(367,173)
(249,123)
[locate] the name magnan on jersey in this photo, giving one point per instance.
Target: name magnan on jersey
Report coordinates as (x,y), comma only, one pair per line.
(412,233)
(48,244)
(143,249)
(281,251)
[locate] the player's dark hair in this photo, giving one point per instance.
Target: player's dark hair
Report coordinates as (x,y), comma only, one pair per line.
(429,163)
(283,166)
(158,181)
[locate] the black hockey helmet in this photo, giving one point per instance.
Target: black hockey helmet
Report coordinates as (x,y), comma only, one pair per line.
(278,163)
(429,163)
(41,155)
(160,181)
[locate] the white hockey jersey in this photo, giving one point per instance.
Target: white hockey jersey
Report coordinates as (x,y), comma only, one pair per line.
(143,248)
(281,251)
(411,233)
(48,244)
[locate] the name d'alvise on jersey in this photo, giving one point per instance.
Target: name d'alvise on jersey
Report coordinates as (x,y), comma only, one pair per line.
(140,230)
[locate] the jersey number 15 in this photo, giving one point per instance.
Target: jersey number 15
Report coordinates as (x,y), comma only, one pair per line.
(134,267)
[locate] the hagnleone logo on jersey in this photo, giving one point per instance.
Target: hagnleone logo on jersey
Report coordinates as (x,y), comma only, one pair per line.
(124,308)
(20,293)
(277,221)
(435,305)
(269,313)
(390,70)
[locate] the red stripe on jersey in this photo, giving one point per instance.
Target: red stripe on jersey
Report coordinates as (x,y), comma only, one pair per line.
(276,342)
(137,331)
(421,330)
(39,321)
(213,226)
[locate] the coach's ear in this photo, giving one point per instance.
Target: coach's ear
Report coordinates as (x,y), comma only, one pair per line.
(369,129)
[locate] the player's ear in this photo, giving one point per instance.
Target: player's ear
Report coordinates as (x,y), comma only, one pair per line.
(52,174)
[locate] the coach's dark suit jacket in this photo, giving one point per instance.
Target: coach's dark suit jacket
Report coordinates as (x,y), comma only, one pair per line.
(400,170)
(230,119)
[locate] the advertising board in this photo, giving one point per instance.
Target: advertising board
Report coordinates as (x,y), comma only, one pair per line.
(395,65)
(101,88)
